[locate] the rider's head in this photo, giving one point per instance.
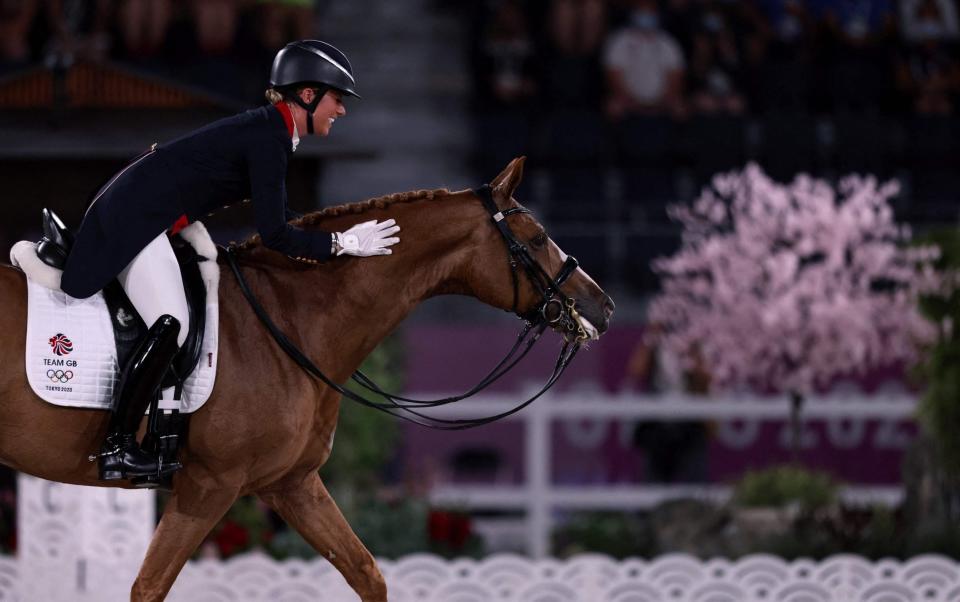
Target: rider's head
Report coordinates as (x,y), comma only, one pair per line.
(314,76)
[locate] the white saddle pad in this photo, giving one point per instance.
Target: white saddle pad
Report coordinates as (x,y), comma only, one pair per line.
(71,357)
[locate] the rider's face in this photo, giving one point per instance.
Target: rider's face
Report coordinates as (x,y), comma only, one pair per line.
(330,108)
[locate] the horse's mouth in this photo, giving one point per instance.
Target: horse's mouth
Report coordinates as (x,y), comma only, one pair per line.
(591,320)
(592,333)
(584,334)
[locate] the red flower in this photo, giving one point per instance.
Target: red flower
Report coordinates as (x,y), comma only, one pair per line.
(450,528)
(231,539)
(439,525)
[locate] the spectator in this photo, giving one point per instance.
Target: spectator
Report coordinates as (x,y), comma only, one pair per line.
(577,26)
(858,38)
(780,60)
(859,21)
(682,20)
(143,26)
(789,23)
(216,25)
(285,20)
(84,27)
(645,67)
(675,450)
(928,75)
(16,18)
(715,67)
(572,77)
(922,20)
(506,59)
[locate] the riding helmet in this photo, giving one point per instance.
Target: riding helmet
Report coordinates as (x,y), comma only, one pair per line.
(308,62)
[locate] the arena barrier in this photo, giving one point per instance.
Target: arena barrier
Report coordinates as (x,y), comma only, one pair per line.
(586,578)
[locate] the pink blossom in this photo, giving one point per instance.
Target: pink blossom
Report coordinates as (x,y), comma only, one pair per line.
(783,287)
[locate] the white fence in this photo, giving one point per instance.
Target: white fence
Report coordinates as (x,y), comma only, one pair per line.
(84,544)
(538,498)
(587,578)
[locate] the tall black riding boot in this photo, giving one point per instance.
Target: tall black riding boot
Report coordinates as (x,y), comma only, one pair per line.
(121,456)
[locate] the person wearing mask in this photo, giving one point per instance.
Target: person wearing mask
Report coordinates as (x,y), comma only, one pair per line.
(124,234)
(644,67)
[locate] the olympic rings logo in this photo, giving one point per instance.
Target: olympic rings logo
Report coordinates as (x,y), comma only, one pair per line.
(59,375)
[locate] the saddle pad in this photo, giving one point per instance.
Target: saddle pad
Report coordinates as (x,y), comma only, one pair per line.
(71,358)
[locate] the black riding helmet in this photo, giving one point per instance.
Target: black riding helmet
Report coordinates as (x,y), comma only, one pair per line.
(311,63)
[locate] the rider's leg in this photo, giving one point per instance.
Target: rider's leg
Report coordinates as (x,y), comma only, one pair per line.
(152,282)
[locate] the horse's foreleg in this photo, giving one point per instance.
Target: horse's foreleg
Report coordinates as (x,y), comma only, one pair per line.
(188,517)
(310,510)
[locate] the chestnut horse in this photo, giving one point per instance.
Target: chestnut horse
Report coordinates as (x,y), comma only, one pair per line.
(268,427)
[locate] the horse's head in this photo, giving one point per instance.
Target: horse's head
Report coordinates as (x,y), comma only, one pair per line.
(551,284)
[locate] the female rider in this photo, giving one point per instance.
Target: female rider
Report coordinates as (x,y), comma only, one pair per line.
(124,233)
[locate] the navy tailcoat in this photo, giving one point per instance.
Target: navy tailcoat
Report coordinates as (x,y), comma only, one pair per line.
(219,165)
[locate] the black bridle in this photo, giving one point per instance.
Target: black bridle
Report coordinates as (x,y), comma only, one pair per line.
(555,309)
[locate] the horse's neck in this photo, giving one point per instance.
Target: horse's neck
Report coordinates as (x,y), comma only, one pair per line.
(338,314)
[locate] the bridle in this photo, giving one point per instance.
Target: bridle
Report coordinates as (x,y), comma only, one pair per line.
(555,309)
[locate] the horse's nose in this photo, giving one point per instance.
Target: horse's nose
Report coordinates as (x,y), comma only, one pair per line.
(606,310)
(608,306)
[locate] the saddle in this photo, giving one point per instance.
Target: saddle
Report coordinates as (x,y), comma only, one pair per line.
(43,263)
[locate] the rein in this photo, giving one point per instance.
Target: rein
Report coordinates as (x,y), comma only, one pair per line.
(556,309)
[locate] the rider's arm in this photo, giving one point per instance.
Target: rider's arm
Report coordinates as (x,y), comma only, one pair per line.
(267,163)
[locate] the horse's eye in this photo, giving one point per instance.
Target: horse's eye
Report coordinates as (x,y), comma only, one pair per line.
(539,241)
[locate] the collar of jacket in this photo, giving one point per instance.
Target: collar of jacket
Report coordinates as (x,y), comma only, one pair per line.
(291,126)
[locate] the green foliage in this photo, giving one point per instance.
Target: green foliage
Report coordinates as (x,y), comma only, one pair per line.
(940,407)
(784,485)
(616,534)
(873,533)
(390,529)
(387,529)
(290,544)
(366,439)
(943,539)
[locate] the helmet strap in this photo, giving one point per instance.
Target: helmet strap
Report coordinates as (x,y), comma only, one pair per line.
(311,106)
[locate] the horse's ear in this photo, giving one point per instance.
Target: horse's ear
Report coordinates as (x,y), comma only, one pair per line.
(504,184)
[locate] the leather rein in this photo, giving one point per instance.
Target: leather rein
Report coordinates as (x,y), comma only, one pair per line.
(555,309)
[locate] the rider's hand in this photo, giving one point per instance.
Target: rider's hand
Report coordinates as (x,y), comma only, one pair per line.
(368,238)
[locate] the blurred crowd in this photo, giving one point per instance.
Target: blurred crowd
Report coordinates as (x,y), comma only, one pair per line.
(634,104)
(202,40)
(686,57)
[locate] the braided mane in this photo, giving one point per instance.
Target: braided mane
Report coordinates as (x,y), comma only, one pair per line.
(315,217)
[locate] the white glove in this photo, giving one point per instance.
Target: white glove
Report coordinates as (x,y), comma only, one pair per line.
(368,238)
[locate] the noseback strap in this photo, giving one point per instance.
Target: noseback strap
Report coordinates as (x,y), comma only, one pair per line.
(567,269)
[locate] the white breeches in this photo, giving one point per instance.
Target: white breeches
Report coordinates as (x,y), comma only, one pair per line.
(152,282)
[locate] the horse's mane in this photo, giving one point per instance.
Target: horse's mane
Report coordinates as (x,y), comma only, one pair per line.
(315,217)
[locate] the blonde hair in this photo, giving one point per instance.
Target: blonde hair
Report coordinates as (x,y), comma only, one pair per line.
(273,96)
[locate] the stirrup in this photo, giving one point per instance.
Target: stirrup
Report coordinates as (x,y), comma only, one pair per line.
(114,466)
(119,474)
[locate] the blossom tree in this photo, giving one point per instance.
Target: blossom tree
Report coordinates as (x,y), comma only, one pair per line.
(781,288)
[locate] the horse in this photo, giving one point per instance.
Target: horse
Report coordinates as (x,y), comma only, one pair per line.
(268,427)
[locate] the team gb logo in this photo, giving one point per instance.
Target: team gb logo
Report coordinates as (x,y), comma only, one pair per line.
(61,344)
